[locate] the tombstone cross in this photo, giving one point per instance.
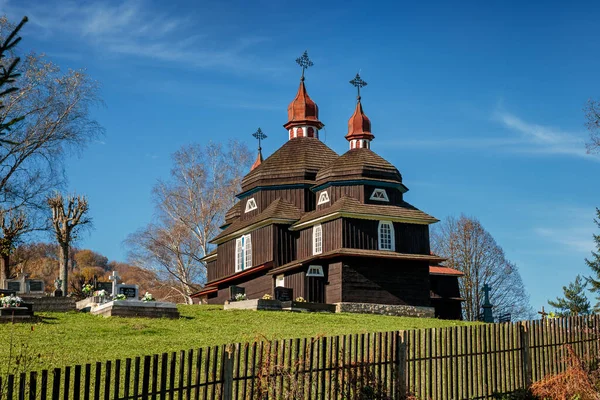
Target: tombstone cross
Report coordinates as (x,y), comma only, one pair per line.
(543,313)
(488,316)
(114,277)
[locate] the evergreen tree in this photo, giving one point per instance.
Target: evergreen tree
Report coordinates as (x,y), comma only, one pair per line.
(575,301)
(594,264)
(8,73)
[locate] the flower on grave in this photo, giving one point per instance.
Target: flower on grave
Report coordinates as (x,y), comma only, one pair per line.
(101,293)
(148,297)
(240,297)
(267,297)
(300,300)
(120,297)
(57,283)
(87,290)
(10,301)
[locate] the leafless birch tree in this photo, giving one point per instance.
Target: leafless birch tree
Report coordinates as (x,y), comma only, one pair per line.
(469,248)
(67,218)
(190,207)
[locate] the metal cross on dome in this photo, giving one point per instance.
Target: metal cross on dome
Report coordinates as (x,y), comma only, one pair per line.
(259,135)
(358,83)
(304,62)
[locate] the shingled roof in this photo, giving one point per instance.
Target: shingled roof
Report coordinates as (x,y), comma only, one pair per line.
(354,208)
(359,164)
(297,161)
(279,210)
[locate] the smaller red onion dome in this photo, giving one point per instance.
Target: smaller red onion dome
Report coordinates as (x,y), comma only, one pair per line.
(303,110)
(359,125)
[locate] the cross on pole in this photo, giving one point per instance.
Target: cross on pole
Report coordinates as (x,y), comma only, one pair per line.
(259,135)
(304,62)
(114,277)
(358,83)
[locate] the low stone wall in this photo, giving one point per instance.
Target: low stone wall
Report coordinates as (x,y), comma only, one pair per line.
(386,309)
(53,304)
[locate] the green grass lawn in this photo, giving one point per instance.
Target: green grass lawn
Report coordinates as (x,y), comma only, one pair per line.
(77,338)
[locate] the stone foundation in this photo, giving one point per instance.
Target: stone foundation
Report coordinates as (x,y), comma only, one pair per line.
(52,304)
(299,306)
(386,309)
(136,308)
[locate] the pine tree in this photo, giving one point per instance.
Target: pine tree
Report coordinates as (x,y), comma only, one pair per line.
(575,301)
(594,264)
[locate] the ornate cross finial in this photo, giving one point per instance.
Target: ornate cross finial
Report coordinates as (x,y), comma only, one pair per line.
(358,83)
(259,135)
(304,62)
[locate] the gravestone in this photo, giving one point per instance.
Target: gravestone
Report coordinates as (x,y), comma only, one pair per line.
(104,286)
(284,294)
(14,286)
(235,290)
(130,291)
(35,286)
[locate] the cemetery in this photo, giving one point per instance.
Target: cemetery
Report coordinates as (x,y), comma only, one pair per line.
(123,300)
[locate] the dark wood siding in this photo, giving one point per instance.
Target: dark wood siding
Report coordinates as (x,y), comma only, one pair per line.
(262,245)
(354,191)
(412,238)
(363,234)
(332,238)
(333,289)
(225,259)
(296,281)
(302,198)
(394,195)
(256,287)
(262,252)
(383,281)
(360,234)
(284,242)
(324,205)
(211,270)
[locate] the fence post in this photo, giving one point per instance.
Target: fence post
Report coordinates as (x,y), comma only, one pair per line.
(228,372)
(526,353)
(401,370)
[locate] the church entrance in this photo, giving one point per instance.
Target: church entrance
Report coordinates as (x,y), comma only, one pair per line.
(315,284)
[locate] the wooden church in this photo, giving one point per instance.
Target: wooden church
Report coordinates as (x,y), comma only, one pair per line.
(333,228)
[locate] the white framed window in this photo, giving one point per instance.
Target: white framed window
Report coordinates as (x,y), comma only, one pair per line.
(280,281)
(379,195)
(386,236)
(251,205)
(323,198)
(315,270)
(317,239)
(243,253)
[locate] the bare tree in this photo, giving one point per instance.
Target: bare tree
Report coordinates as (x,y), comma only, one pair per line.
(592,116)
(190,208)
(468,247)
(14,225)
(49,113)
(67,219)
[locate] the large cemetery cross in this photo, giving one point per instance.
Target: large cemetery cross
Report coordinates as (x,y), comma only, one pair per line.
(114,277)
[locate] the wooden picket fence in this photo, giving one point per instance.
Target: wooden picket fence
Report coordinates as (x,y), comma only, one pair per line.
(466,362)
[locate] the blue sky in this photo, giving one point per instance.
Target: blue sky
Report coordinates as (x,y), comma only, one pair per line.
(479,105)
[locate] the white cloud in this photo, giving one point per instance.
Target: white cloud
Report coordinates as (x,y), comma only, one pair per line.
(572,228)
(133,28)
(522,137)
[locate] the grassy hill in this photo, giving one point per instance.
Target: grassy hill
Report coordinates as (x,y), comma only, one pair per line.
(75,338)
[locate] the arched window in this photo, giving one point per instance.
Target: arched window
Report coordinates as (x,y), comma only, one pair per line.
(243,253)
(317,239)
(386,236)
